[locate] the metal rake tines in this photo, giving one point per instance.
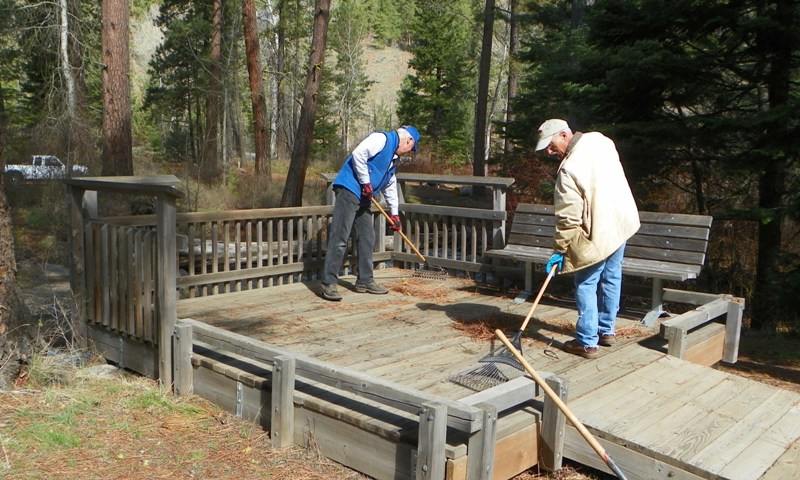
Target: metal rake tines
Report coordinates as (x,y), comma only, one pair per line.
(492,370)
(504,356)
(434,274)
(480,378)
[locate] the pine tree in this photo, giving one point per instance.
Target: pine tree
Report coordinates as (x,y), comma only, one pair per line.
(438,97)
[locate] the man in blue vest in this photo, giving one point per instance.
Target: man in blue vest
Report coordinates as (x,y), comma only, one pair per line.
(370,168)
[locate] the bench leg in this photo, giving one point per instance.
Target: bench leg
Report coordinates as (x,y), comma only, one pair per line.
(657,305)
(526,294)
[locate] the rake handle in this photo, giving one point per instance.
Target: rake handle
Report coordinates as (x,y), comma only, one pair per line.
(561,405)
(538,297)
(408,242)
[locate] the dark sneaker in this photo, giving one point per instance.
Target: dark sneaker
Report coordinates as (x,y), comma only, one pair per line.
(371,287)
(607,339)
(575,348)
(330,292)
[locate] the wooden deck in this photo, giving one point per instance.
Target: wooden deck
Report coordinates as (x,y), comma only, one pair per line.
(654,412)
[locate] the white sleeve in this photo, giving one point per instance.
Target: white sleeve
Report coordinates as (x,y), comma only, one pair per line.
(390,194)
(368,148)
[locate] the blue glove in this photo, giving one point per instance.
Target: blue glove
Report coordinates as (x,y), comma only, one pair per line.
(557,260)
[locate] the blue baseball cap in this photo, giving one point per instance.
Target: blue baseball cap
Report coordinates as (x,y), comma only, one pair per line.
(414,134)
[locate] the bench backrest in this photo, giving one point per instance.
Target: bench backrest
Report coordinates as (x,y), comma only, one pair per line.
(664,237)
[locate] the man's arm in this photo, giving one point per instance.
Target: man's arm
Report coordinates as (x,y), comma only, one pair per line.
(392,199)
(568,211)
(368,148)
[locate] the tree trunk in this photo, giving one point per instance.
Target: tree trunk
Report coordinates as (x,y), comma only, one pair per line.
(281,138)
(82,140)
(778,44)
(117,135)
(480,150)
(253,53)
(16,334)
(210,168)
(513,72)
(293,190)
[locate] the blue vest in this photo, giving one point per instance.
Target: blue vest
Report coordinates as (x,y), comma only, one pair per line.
(381,168)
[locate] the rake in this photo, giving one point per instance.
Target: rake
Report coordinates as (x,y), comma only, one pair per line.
(425,271)
(586,434)
(500,365)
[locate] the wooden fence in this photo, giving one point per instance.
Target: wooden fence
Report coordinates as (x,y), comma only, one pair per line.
(128,271)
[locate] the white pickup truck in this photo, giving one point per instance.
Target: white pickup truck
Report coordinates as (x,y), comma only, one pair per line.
(42,167)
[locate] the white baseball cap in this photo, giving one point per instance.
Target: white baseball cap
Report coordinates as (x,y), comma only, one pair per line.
(547,130)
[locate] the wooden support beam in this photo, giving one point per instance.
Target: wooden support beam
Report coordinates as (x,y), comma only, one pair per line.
(676,340)
(182,347)
(481,447)
(282,418)
(166,208)
(432,439)
(553,425)
(733,327)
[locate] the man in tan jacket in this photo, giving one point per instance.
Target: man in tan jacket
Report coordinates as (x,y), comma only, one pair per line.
(596,215)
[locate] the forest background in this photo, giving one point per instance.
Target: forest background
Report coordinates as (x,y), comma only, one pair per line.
(244,100)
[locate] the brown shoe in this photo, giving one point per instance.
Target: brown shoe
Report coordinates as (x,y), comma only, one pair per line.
(607,339)
(575,348)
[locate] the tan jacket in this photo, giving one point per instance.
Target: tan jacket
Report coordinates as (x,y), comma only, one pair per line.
(594,206)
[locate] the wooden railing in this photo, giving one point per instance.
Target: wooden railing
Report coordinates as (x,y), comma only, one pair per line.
(109,270)
(121,280)
(128,271)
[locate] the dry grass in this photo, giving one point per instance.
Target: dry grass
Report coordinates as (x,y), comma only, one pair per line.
(122,426)
(126,427)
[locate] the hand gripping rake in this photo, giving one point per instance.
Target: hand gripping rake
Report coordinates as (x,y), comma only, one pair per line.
(561,405)
(492,369)
(425,271)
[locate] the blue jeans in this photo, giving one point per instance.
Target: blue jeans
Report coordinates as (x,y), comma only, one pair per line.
(597,293)
(349,214)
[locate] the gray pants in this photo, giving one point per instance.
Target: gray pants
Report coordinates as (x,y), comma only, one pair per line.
(349,214)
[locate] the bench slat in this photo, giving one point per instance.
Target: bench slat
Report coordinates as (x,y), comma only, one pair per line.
(665,255)
(685,244)
(676,219)
(700,233)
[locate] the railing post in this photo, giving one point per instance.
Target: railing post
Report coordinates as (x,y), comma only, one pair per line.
(183,360)
(431,457)
(82,207)
(733,325)
(553,426)
(167,289)
(281,429)
(481,446)
(499,229)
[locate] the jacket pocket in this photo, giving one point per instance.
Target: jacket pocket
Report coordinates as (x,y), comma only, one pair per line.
(582,252)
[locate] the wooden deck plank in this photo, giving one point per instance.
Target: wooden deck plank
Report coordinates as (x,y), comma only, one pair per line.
(750,426)
(786,466)
(667,392)
(699,421)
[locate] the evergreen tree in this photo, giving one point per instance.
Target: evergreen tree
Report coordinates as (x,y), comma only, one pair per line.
(701,100)
(387,29)
(349,28)
(178,76)
(438,97)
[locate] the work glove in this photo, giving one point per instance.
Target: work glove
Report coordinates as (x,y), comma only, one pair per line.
(556,260)
(396,225)
(366,194)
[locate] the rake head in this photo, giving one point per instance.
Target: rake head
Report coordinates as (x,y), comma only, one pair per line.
(498,367)
(426,272)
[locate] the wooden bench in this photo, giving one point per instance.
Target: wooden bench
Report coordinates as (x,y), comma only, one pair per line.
(668,246)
